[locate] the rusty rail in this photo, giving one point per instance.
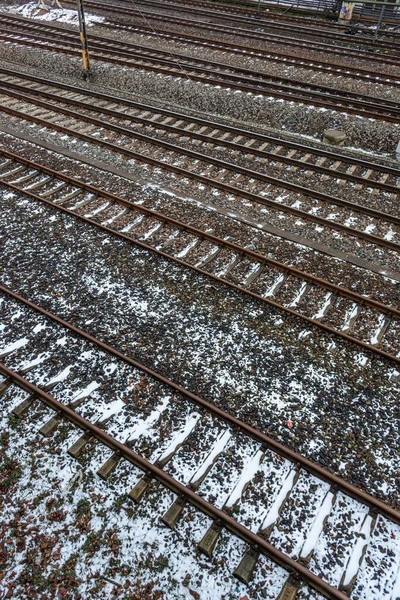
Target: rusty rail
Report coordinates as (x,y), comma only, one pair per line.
(26,94)
(256,36)
(190,496)
(235,423)
(358,73)
(218,241)
(240,79)
(230,189)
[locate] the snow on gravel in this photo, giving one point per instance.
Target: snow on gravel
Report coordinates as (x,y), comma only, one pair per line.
(62,15)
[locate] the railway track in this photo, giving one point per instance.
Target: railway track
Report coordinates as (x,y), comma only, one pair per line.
(284,58)
(279,503)
(369,54)
(372,325)
(210,72)
(277,14)
(361,173)
(263,24)
(228,177)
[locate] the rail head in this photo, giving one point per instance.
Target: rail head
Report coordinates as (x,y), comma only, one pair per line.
(292,456)
(192,497)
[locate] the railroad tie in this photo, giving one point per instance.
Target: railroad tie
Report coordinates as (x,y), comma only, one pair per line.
(350,171)
(348,588)
(245,569)
(79,446)
(225,135)
(11,102)
(23,407)
(138,491)
(39,184)
(381,179)
(26,178)
(290,589)
(210,538)
(13,171)
(155,117)
(109,466)
(88,129)
(70,196)
(54,190)
(334,168)
(249,280)
(4,386)
(174,512)
(51,425)
(304,159)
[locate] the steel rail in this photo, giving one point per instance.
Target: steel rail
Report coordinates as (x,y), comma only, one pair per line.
(215,141)
(204,122)
(274,304)
(215,8)
(379,112)
(178,488)
(235,423)
(264,23)
(333,49)
(358,298)
(276,14)
(378,241)
(275,55)
(239,76)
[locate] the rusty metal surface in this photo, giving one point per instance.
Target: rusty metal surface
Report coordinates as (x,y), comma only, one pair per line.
(237,424)
(365,346)
(243,33)
(207,138)
(192,497)
(275,55)
(333,30)
(240,79)
(269,229)
(379,241)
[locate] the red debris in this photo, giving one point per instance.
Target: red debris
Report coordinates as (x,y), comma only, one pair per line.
(289,424)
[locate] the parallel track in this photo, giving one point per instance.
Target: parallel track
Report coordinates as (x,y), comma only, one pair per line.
(191,494)
(355,318)
(361,172)
(353,169)
(278,13)
(226,178)
(265,23)
(238,33)
(202,71)
(284,58)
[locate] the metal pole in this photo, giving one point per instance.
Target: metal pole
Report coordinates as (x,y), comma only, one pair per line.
(379,22)
(83,37)
(258,8)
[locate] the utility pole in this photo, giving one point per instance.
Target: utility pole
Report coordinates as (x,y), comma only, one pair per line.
(82,34)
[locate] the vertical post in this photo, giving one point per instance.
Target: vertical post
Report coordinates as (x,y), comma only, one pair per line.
(83,37)
(258,8)
(379,22)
